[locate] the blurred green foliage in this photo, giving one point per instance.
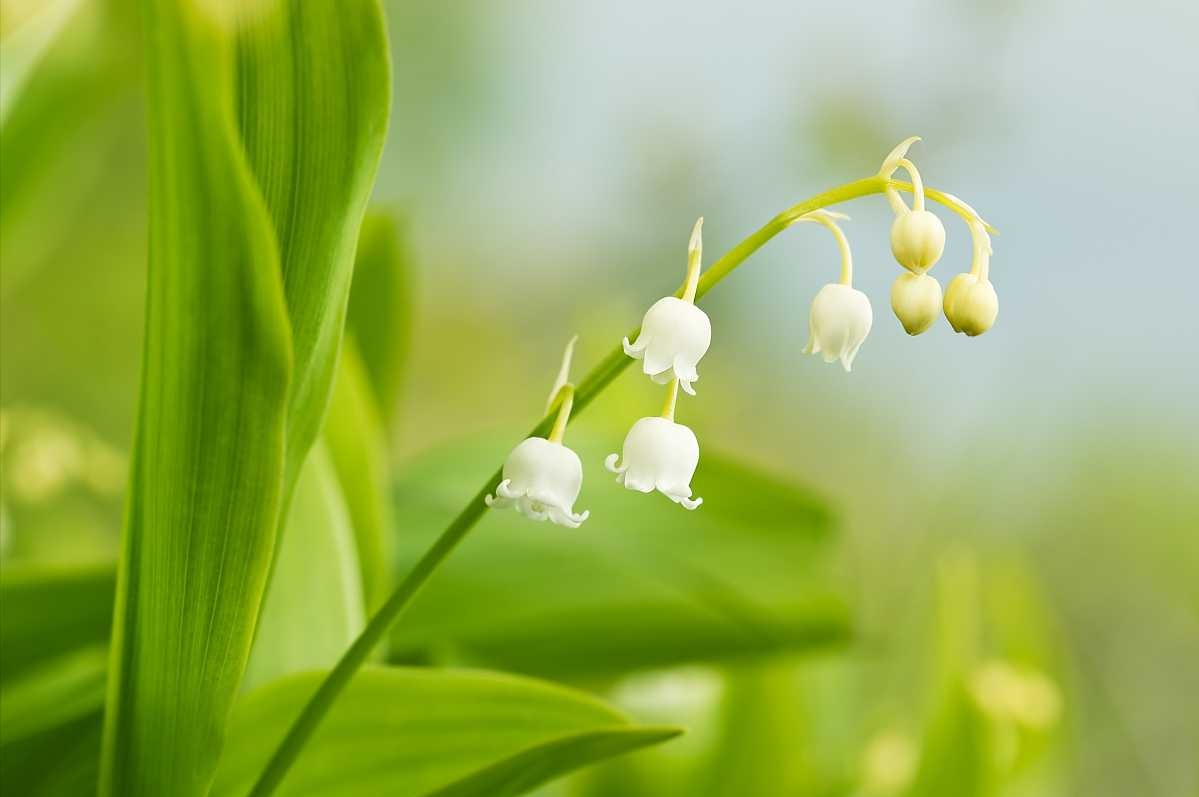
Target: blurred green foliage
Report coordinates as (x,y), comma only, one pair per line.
(1025,614)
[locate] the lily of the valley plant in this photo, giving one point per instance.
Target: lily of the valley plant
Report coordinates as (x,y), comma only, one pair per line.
(542,478)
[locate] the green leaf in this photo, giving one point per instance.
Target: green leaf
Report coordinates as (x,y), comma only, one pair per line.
(21,48)
(49,610)
(956,756)
(380,317)
(313,99)
(59,138)
(643,583)
(313,608)
(420,733)
(354,436)
(57,693)
(60,762)
(254,219)
(206,487)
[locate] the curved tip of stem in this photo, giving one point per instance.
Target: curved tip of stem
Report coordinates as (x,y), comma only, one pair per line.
(891,162)
(563,372)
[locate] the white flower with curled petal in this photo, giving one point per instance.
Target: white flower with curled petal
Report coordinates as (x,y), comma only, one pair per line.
(675,334)
(840,317)
(659,454)
(542,477)
(542,480)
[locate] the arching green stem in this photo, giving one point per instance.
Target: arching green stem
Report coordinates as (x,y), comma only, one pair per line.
(590,387)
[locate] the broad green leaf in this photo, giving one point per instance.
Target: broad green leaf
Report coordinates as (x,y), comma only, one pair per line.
(50,610)
(58,692)
(643,583)
(206,487)
(21,47)
(313,608)
(313,82)
(354,437)
(380,316)
(426,733)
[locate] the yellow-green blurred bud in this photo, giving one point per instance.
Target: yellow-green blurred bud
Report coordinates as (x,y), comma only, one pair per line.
(971,304)
(917,240)
(916,300)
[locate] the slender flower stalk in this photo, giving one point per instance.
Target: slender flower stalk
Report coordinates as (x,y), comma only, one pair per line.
(588,389)
(672,399)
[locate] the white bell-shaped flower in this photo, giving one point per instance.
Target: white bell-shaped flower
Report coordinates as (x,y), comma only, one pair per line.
(542,480)
(675,334)
(839,322)
(658,454)
(542,477)
(840,317)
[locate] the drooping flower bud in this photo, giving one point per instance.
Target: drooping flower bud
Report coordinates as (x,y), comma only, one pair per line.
(917,235)
(675,334)
(971,304)
(917,240)
(658,454)
(916,300)
(542,480)
(839,322)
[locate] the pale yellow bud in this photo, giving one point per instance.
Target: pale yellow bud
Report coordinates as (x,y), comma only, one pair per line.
(971,304)
(917,240)
(916,300)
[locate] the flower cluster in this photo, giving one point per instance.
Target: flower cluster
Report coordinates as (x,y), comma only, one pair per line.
(917,241)
(542,478)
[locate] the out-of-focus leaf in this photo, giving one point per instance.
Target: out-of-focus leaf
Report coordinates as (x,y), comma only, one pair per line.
(380,317)
(313,608)
(57,693)
(60,762)
(21,48)
(314,95)
(643,582)
(354,437)
(955,753)
(428,733)
(47,611)
(59,138)
(954,761)
(205,490)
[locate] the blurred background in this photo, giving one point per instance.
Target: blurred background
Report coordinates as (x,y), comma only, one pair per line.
(1028,497)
